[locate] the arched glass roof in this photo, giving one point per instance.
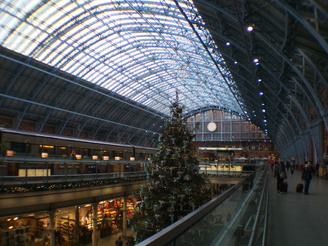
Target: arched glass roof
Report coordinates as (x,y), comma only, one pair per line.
(143,50)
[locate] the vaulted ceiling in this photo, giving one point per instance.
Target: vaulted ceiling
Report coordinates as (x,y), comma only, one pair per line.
(112,68)
(280,65)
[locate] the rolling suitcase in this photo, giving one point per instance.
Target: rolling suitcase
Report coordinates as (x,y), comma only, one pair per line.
(299,187)
(284,187)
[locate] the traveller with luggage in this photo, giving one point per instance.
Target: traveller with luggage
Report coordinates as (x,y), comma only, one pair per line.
(307,176)
(281,175)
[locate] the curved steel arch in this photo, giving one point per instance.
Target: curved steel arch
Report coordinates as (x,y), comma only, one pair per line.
(274,42)
(316,102)
(305,23)
(317,71)
(87,14)
(124,50)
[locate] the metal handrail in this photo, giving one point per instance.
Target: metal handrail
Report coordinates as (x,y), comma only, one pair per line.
(169,234)
(263,204)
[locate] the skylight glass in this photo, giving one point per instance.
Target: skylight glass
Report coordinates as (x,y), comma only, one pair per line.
(143,50)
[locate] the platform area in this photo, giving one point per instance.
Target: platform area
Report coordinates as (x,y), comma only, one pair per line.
(296,219)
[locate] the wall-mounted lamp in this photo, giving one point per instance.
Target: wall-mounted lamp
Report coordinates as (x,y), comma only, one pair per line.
(44,155)
(78,156)
(94,157)
(105,157)
(117,158)
(9,153)
(132,158)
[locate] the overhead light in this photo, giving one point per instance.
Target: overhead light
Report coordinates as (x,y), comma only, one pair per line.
(256,60)
(219,148)
(228,43)
(259,80)
(250,28)
(235,62)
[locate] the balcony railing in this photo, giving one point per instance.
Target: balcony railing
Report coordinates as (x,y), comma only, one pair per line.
(236,217)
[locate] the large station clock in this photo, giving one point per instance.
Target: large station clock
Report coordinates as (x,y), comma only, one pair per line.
(211,126)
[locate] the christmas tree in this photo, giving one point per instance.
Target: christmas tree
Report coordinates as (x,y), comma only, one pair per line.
(174,187)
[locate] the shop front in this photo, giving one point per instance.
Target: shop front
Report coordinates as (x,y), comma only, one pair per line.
(71,225)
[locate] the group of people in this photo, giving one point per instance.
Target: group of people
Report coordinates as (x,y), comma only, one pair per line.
(281,169)
(129,241)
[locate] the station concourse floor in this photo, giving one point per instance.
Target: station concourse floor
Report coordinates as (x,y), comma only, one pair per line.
(296,219)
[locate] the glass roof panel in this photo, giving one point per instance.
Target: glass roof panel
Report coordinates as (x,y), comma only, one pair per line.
(144,50)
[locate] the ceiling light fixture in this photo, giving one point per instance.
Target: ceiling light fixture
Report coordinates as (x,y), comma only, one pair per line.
(249,29)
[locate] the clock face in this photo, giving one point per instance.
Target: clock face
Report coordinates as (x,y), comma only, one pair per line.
(211,126)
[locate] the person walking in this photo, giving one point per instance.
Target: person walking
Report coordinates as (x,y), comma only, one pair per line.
(276,171)
(119,241)
(280,174)
(288,166)
(292,159)
(292,168)
(59,237)
(307,176)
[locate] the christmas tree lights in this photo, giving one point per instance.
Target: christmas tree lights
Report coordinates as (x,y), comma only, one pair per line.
(174,186)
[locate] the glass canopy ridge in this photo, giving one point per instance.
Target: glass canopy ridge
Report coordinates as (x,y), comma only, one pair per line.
(143,50)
